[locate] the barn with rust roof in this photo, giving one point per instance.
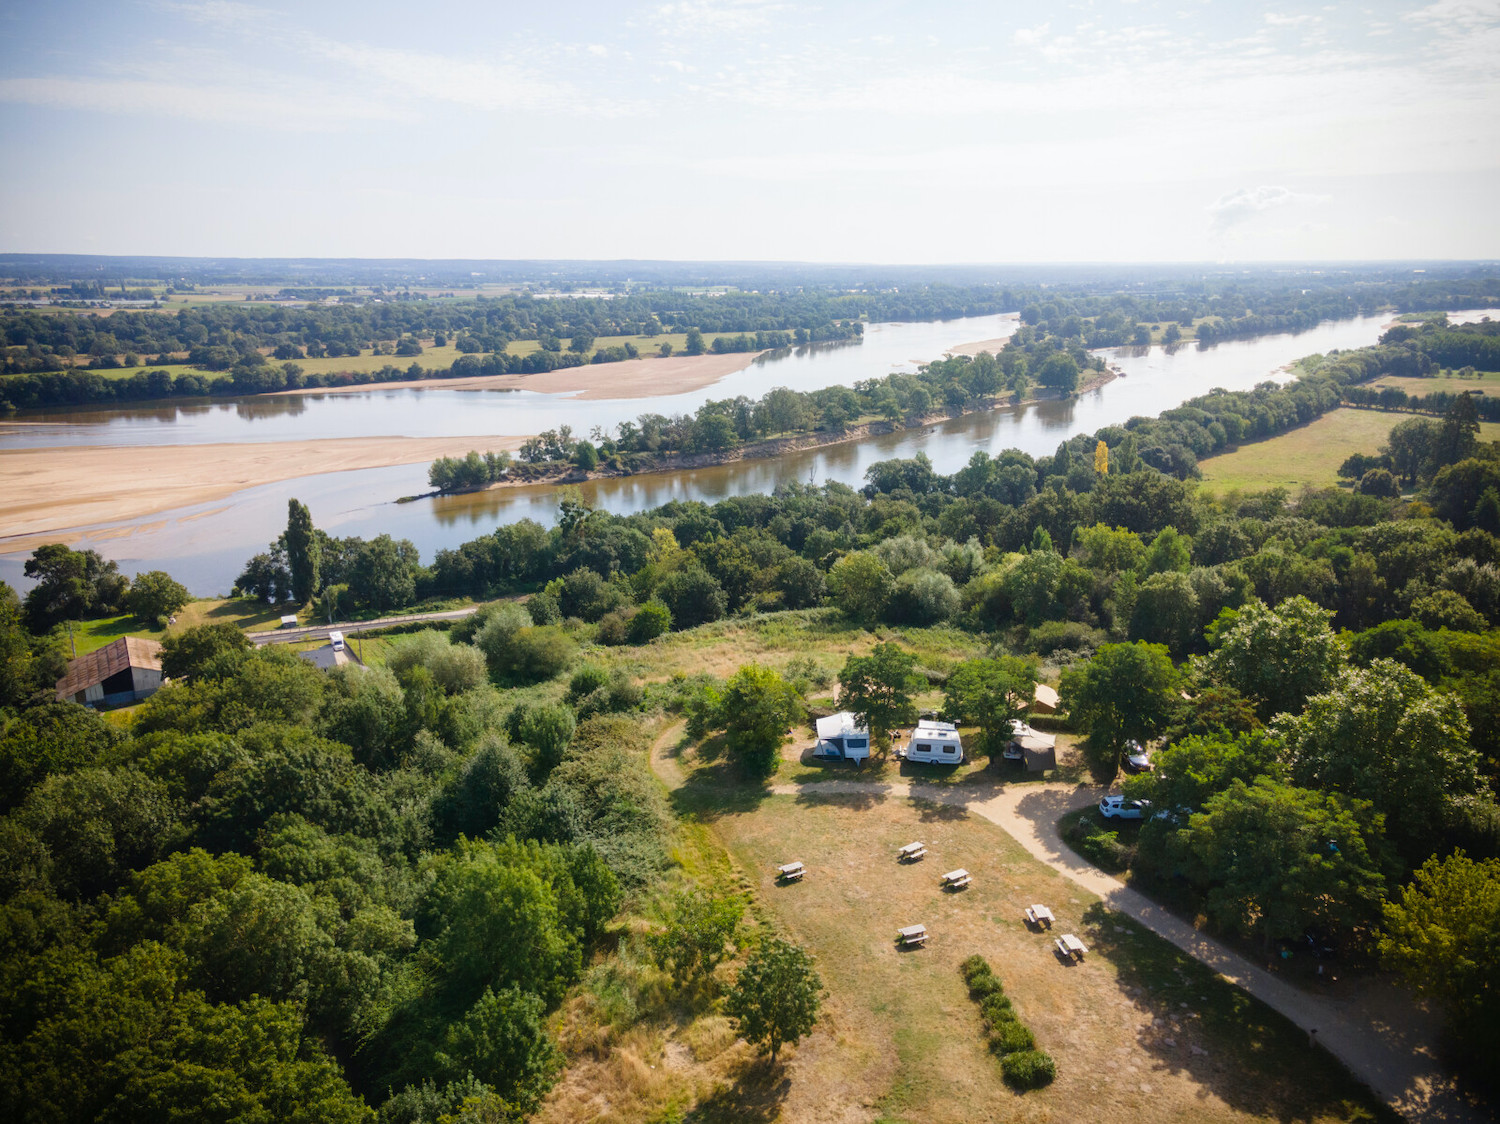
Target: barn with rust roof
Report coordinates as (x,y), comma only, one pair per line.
(117,674)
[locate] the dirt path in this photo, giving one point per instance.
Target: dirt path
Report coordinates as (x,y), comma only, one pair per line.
(1393,1056)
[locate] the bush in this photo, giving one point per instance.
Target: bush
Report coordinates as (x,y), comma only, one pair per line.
(1010,1037)
(1056,636)
(651,620)
(996,1009)
(614,627)
(1029,1069)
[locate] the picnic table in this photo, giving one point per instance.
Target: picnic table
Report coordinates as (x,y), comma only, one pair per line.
(957,879)
(1070,946)
(911,851)
(1039,915)
(791,871)
(912,934)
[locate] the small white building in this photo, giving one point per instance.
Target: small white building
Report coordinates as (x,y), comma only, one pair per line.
(935,743)
(841,735)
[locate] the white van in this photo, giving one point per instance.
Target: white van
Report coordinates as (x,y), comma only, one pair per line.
(336,641)
(934,743)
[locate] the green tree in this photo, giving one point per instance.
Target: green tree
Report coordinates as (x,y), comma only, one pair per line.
(154,596)
(651,620)
(384,573)
(696,936)
(1126,692)
(757,706)
(304,552)
(1383,735)
(1276,860)
(990,693)
(1276,656)
(187,653)
(502,1041)
(692,597)
(861,584)
(694,345)
(776,997)
(585,456)
(1443,934)
(879,687)
(1059,372)
(71,585)
(1169,552)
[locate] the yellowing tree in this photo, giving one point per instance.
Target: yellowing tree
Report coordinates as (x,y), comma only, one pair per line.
(1101,459)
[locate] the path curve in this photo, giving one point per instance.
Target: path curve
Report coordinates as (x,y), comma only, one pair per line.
(1397,1065)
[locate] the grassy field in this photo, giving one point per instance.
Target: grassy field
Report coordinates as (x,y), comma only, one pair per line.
(1488,381)
(1137,1029)
(1309,454)
(241,612)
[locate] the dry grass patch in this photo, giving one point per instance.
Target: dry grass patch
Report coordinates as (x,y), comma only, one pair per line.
(1137,1028)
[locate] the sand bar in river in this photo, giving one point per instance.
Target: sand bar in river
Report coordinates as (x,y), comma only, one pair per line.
(630,378)
(49,490)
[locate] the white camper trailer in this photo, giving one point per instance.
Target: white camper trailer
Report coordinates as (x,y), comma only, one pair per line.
(840,735)
(935,743)
(336,641)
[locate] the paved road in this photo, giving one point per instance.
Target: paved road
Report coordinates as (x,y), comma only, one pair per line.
(1392,1057)
(320,632)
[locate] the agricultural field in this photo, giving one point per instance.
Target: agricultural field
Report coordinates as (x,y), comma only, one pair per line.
(1487,382)
(1310,454)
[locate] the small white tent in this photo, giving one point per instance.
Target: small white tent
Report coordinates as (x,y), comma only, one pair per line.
(841,735)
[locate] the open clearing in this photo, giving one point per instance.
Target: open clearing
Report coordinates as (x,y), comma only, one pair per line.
(1309,454)
(1488,382)
(1138,1028)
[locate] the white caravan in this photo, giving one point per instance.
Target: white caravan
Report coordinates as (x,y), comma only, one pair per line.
(935,743)
(841,735)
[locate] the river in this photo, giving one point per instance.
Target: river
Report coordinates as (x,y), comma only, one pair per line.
(205,545)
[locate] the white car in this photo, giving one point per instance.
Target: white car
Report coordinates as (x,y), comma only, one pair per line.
(1118,808)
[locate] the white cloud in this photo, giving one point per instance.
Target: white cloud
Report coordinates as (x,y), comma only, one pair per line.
(1234,208)
(1456,15)
(1030,36)
(1275,19)
(693,18)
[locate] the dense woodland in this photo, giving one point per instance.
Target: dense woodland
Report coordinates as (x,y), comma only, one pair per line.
(293,894)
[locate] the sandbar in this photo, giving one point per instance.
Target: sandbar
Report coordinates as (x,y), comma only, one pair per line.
(46,491)
(629,378)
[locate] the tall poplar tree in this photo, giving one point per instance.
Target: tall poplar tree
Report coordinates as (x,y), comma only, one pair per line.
(304,555)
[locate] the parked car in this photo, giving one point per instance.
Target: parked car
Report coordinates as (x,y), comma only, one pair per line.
(1136,758)
(1119,808)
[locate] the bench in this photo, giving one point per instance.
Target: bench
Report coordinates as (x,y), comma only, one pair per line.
(912,935)
(791,872)
(1039,915)
(911,851)
(957,879)
(1070,946)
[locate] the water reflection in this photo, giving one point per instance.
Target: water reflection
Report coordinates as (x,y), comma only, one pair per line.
(205,546)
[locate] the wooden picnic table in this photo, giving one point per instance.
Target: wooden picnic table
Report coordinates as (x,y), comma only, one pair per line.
(956,878)
(912,934)
(912,851)
(792,871)
(1040,915)
(1071,946)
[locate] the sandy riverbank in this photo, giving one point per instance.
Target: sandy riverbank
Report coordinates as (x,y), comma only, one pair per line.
(630,378)
(43,491)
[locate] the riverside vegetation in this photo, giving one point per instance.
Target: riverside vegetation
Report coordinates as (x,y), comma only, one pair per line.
(321,895)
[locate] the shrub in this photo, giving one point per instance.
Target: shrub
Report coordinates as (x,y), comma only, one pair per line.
(614,627)
(1009,1037)
(975,965)
(997,1009)
(1028,1069)
(653,619)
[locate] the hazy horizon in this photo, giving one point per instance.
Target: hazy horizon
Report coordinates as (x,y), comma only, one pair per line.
(749,130)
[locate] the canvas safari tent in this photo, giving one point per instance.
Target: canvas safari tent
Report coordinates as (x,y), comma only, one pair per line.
(1036,749)
(841,735)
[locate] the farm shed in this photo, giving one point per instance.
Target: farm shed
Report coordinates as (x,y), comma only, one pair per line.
(117,674)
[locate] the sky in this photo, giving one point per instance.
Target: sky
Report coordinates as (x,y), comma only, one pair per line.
(870,131)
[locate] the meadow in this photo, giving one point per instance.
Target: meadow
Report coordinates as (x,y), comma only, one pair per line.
(1310,454)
